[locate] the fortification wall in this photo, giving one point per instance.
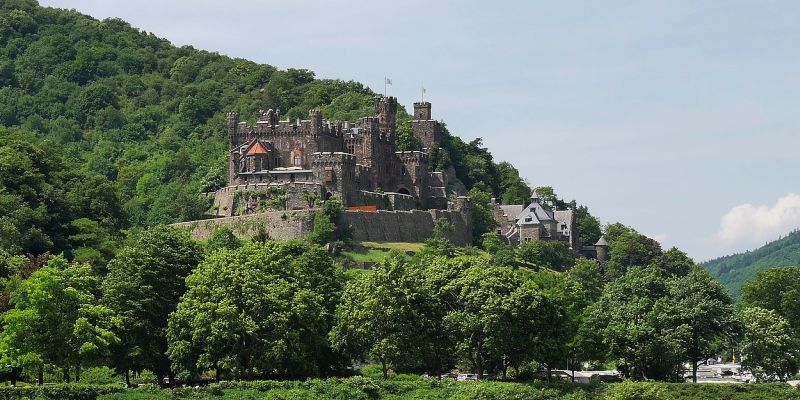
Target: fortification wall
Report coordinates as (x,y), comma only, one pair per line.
(383,226)
(279,225)
(406,226)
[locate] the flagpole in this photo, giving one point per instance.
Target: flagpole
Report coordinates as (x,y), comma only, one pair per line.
(385,79)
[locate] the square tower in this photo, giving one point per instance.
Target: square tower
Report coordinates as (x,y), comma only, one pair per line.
(425,128)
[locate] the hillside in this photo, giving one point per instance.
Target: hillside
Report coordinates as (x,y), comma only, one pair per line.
(104,127)
(734,270)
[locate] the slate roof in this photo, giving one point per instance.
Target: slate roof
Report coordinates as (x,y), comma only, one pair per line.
(511,211)
(564,217)
(536,213)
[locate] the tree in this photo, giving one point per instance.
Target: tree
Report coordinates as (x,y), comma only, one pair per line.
(628,248)
(776,289)
(553,254)
(482,218)
(375,319)
(702,305)
(253,311)
(501,253)
(56,320)
(631,321)
(559,334)
(588,274)
(494,314)
(589,231)
(223,238)
(328,226)
(674,262)
(769,349)
(143,285)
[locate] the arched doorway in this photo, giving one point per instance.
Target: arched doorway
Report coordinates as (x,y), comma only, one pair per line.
(328,195)
(403,191)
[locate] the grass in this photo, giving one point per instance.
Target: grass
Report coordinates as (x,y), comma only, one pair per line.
(401,246)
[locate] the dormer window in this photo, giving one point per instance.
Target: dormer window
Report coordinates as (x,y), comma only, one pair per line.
(533,209)
(528,219)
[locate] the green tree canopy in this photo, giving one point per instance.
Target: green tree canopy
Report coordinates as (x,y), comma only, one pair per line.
(56,320)
(143,285)
(769,348)
(259,309)
(776,289)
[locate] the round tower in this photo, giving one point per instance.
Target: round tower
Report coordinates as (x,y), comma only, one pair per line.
(601,249)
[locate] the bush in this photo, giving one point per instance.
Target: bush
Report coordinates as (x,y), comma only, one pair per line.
(66,391)
(630,390)
(99,376)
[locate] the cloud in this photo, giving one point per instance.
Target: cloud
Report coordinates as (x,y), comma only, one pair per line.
(746,226)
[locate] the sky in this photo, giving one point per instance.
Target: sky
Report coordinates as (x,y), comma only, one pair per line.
(678,118)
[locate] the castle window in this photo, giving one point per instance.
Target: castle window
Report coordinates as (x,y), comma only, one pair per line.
(403,172)
(298,161)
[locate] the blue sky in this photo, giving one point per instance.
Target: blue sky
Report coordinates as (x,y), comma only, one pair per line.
(679,118)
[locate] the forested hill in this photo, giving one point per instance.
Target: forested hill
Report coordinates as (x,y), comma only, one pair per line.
(735,270)
(104,127)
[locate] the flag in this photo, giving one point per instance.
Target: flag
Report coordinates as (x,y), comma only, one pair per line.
(387,81)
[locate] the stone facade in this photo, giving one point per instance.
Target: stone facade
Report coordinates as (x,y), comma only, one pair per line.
(326,158)
(381,226)
(519,223)
(535,221)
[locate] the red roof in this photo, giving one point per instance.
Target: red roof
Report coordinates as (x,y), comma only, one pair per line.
(257,148)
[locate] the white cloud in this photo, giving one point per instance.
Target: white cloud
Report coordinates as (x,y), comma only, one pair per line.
(746,226)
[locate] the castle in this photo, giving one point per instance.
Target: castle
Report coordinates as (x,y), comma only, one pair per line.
(279,164)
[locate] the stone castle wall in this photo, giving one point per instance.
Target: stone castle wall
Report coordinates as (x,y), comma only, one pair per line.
(382,226)
(279,225)
(406,226)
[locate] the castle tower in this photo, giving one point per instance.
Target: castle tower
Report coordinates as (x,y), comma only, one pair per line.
(386,111)
(336,172)
(233,124)
(425,128)
(601,248)
(315,116)
(422,110)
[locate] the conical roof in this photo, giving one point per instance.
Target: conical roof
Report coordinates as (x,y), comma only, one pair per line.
(602,241)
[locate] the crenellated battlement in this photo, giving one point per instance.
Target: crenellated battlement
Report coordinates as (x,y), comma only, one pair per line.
(335,157)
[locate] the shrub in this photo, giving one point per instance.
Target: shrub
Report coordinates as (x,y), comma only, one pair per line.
(67,391)
(630,390)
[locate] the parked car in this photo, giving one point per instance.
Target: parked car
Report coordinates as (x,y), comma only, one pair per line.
(467,377)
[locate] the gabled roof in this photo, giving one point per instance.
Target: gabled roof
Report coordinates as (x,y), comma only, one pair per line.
(256,147)
(535,212)
(564,217)
(511,211)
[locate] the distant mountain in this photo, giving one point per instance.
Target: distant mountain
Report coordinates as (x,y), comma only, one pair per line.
(735,270)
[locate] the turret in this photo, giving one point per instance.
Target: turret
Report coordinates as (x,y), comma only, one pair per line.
(233,123)
(422,110)
(315,115)
(386,111)
(425,129)
(601,248)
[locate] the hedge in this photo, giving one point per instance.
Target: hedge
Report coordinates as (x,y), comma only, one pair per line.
(63,391)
